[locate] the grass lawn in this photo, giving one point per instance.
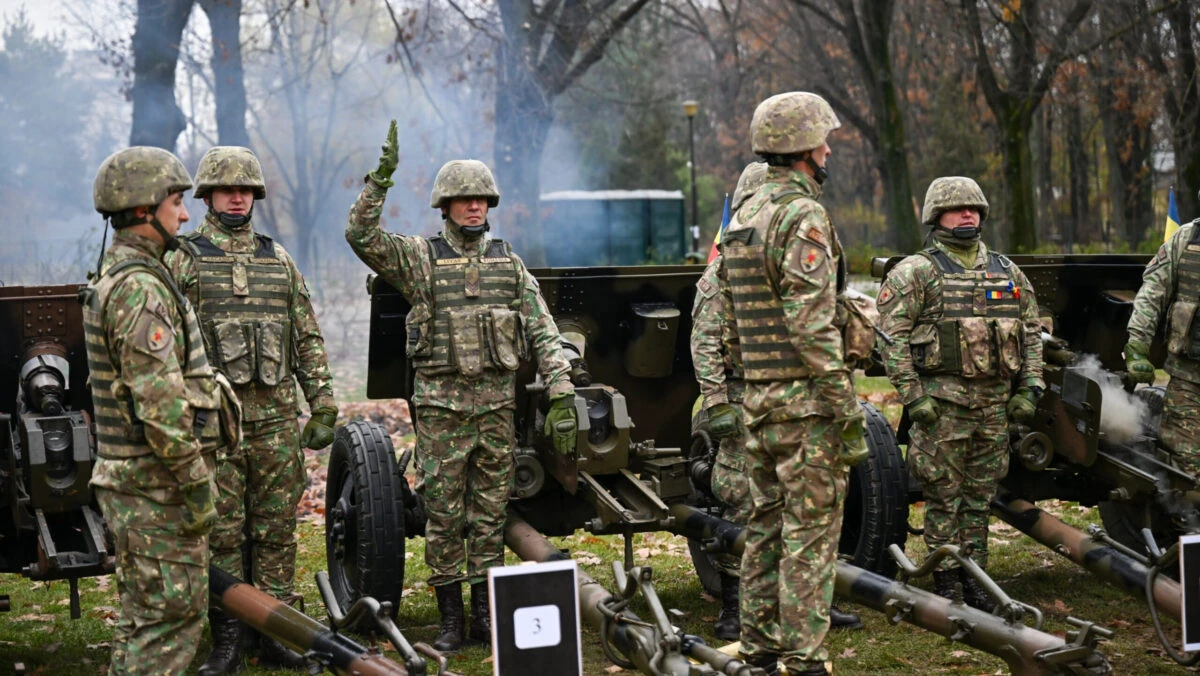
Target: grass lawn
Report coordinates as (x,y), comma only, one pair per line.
(39,637)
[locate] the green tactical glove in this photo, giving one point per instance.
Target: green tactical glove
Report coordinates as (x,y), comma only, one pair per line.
(1022,405)
(318,431)
(1137,362)
(722,421)
(202,511)
(924,410)
(388,160)
(854,439)
(561,424)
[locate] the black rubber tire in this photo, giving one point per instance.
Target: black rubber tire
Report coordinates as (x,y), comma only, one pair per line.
(1124,521)
(876,508)
(364,517)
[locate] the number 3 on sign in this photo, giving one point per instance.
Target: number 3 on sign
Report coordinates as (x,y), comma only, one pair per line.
(536,627)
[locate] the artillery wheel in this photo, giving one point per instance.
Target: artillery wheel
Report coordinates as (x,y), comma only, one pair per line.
(364,517)
(876,509)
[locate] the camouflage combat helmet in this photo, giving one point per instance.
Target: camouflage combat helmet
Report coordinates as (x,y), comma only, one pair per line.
(791,123)
(952,192)
(141,176)
(464,178)
(230,166)
(752,178)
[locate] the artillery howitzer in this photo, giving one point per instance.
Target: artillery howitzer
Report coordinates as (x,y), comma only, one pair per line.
(641,464)
(50,525)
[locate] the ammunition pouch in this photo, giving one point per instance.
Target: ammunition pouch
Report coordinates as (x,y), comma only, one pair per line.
(858,329)
(417,325)
(483,338)
(1183,331)
(252,350)
(972,347)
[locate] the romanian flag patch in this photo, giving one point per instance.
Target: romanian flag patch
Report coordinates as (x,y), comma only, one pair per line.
(995,295)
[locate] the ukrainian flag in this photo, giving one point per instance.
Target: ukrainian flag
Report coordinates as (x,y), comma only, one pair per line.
(1172,216)
(712,253)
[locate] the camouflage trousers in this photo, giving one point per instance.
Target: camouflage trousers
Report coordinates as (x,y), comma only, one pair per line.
(162,581)
(732,487)
(797,487)
(467,466)
(1180,427)
(959,462)
(258,488)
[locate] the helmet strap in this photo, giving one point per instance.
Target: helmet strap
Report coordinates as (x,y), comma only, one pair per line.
(170,242)
(103,246)
(819,173)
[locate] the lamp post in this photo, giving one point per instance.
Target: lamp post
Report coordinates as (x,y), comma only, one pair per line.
(690,108)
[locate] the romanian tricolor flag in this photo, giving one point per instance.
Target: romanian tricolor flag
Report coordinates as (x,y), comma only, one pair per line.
(995,295)
(1172,216)
(712,253)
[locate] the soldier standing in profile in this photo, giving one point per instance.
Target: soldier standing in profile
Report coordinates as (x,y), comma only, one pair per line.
(261,332)
(155,397)
(965,326)
(783,267)
(476,312)
(1169,297)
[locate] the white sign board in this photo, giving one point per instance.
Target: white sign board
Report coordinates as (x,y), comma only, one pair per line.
(1189,578)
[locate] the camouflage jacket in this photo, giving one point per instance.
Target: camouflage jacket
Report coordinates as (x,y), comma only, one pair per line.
(310,363)
(144,334)
(1159,304)
(911,296)
(714,341)
(803,258)
(406,262)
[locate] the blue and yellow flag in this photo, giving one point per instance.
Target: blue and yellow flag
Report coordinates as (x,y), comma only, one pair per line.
(1172,216)
(712,253)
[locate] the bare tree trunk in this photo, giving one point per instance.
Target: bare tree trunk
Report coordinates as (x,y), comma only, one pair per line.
(224,17)
(157,119)
(1018,178)
(1185,114)
(1080,225)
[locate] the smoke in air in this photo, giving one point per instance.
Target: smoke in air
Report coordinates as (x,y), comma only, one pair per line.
(1122,416)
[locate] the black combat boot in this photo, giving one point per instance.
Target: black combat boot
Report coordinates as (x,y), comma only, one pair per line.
(974,595)
(945,583)
(768,662)
(729,622)
(842,621)
(814,669)
(450,607)
(226,655)
(481,614)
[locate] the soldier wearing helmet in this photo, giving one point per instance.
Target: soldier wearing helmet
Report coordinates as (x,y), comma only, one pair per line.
(783,268)
(465,383)
(716,358)
(261,332)
(967,362)
(156,401)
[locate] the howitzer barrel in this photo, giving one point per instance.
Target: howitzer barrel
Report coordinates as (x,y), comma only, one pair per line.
(1026,650)
(1103,560)
(295,629)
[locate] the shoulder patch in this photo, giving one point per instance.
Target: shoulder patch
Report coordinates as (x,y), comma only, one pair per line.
(152,335)
(157,336)
(817,236)
(812,257)
(706,287)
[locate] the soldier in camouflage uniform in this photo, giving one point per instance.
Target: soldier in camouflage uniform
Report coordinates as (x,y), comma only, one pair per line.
(782,266)
(476,312)
(261,332)
(155,399)
(1168,298)
(965,327)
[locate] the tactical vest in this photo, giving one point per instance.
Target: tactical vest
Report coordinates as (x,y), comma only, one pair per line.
(767,351)
(979,332)
(119,432)
(1182,327)
(244,300)
(472,320)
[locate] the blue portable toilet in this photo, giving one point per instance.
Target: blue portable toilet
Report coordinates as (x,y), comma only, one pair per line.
(613,227)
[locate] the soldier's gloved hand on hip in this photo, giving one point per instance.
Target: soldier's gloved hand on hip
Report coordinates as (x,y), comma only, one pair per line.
(1022,405)
(561,423)
(924,410)
(722,421)
(318,431)
(388,161)
(1137,362)
(202,511)
(854,438)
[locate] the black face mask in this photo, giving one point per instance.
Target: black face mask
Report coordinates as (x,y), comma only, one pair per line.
(232,221)
(473,231)
(820,174)
(966,232)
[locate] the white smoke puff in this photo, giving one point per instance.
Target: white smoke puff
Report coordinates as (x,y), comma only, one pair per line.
(1122,414)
